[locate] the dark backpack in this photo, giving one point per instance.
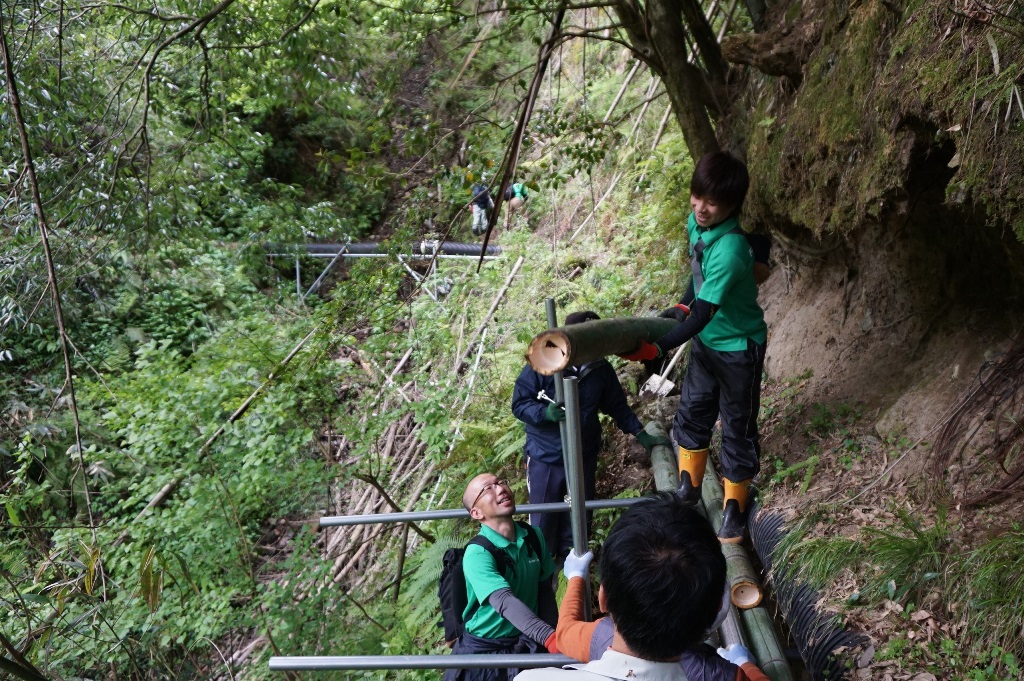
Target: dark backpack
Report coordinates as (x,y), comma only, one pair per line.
(451,587)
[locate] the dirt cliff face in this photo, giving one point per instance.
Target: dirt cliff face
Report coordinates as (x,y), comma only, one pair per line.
(873,103)
(885,157)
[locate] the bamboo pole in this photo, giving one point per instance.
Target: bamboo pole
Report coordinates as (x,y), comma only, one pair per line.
(663,461)
(622,90)
(461,363)
(765,645)
(555,349)
(611,187)
(744,590)
(760,629)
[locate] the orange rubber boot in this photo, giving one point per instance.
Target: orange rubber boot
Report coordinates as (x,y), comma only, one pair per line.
(734,515)
(691,473)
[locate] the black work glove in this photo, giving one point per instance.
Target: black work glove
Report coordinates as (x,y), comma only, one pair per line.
(554,412)
(678,312)
(649,442)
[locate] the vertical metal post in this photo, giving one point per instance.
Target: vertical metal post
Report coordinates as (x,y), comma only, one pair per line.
(298,278)
(574,477)
(549,307)
(572,461)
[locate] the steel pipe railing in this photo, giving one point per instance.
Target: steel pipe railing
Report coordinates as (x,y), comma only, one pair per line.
(338,662)
(414,256)
(447,514)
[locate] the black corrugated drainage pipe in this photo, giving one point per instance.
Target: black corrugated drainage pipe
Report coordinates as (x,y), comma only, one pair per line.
(818,635)
(418,248)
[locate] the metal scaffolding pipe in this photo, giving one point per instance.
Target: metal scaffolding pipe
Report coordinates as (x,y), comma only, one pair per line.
(574,477)
(549,308)
(407,256)
(416,516)
(338,662)
(427,247)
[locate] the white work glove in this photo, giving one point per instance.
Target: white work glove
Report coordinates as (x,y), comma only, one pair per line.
(576,566)
(735,653)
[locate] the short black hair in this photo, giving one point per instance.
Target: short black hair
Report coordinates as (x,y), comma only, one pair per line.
(721,177)
(580,317)
(663,574)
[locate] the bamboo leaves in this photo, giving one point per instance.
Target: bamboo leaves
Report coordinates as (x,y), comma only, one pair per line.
(151,581)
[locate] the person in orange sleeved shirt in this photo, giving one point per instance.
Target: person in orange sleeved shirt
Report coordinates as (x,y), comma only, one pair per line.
(586,641)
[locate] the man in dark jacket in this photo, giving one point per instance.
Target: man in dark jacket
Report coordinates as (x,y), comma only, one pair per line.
(599,392)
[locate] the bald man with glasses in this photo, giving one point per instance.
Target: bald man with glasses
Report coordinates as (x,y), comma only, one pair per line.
(510,607)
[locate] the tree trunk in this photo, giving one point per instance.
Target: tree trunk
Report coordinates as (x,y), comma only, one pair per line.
(707,42)
(659,38)
(756,10)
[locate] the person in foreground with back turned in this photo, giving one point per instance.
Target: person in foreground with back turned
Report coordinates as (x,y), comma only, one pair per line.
(662,584)
(510,607)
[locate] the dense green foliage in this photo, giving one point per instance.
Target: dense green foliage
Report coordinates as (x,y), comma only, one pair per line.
(172,144)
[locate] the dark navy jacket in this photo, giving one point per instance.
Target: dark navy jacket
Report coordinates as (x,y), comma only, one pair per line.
(600,391)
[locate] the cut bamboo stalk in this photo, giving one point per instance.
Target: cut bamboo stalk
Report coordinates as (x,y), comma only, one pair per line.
(744,588)
(555,349)
(744,591)
(611,187)
(711,492)
(731,631)
(461,363)
(337,537)
(622,90)
(663,461)
(765,645)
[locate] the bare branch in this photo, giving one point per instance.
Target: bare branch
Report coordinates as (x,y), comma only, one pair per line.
(26,151)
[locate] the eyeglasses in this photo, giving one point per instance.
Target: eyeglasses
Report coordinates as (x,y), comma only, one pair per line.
(489,487)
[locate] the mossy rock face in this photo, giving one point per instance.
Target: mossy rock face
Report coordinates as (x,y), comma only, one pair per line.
(894,103)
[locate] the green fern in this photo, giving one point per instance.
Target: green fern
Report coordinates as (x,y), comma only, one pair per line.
(119,354)
(419,592)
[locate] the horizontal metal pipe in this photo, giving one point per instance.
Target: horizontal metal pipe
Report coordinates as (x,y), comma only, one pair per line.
(373,247)
(415,256)
(331,662)
(412,516)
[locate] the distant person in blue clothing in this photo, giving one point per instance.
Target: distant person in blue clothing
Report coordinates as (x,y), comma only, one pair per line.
(599,392)
(481,205)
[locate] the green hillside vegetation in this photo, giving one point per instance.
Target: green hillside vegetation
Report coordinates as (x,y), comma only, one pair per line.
(165,459)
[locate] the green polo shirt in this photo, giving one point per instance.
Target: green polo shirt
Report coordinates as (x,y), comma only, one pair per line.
(728,266)
(483,578)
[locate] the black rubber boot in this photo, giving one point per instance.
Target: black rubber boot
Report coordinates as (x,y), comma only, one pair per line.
(734,523)
(687,491)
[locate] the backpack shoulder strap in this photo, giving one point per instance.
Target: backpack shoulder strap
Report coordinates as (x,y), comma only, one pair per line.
(487,545)
(532,541)
(698,248)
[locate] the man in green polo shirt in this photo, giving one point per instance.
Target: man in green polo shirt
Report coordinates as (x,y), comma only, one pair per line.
(719,312)
(510,607)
